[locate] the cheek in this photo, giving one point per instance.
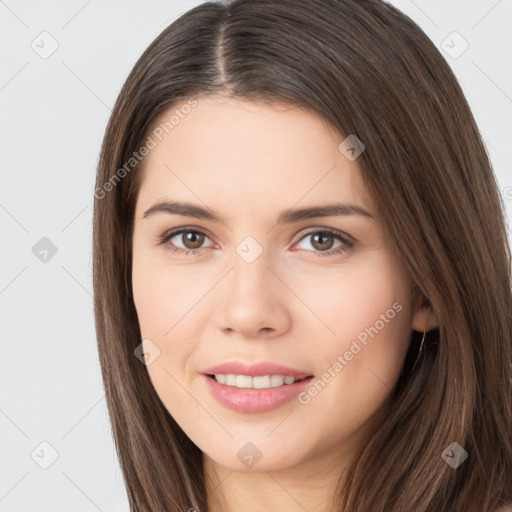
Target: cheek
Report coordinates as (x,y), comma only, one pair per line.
(172,304)
(354,299)
(367,326)
(165,295)
(164,299)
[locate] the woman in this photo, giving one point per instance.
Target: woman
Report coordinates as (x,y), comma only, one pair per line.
(301,269)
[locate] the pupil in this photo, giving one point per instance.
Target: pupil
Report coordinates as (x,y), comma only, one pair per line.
(322,236)
(194,238)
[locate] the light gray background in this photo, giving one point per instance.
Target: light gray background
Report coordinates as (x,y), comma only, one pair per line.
(54,112)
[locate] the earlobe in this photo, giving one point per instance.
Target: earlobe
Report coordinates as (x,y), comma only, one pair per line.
(425,319)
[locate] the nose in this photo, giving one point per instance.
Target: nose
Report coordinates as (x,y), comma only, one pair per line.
(254,301)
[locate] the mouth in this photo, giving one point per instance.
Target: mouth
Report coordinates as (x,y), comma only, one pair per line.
(256,382)
(255,394)
(255,387)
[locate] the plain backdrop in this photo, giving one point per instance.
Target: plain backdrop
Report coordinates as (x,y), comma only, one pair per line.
(56,450)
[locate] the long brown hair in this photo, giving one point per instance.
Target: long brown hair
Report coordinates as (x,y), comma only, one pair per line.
(368,70)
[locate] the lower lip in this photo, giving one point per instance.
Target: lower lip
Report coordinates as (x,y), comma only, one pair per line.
(255,400)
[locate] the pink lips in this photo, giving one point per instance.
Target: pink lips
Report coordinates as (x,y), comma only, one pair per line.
(255,400)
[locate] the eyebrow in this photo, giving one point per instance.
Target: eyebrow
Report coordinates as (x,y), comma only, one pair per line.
(287,217)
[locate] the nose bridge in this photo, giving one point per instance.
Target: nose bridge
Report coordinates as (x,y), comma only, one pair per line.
(250,273)
(252,300)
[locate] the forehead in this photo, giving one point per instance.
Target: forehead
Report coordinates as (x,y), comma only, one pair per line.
(224,149)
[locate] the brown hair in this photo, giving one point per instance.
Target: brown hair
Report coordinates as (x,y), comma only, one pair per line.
(368,70)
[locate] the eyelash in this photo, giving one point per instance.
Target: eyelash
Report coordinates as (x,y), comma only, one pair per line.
(348,243)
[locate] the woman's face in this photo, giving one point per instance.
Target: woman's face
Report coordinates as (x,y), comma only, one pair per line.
(317,292)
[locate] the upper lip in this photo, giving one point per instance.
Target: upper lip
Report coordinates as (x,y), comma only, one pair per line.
(255,369)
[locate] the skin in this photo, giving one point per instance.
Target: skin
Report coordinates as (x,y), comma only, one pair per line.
(293,305)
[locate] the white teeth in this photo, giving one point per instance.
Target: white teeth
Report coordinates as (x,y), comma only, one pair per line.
(276,380)
(230,380)
(243,381)
(260,382)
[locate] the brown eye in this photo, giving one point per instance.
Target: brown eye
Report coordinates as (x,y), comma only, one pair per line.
(188,241)
(192,239)
(322,241)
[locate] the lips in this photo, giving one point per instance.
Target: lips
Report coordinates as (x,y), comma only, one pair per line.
(254,400)
(255,370)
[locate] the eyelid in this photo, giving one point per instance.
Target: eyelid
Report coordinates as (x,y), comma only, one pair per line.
(332,231)
(185,228)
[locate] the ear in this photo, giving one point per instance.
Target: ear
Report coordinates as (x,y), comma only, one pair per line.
(424,318)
